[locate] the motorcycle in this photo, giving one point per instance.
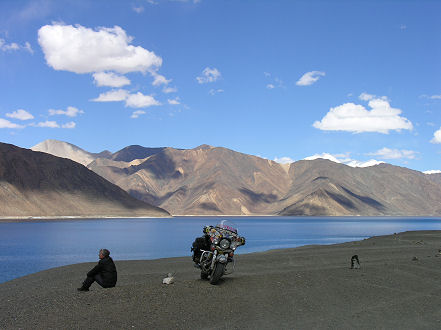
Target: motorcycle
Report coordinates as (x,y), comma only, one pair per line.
(214,252)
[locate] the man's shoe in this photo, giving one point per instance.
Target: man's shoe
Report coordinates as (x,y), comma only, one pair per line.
(83,289)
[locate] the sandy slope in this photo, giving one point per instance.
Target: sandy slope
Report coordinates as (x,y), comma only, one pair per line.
(304,288)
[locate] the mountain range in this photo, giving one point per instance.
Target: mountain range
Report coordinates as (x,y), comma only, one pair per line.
(210,180)
(37,184)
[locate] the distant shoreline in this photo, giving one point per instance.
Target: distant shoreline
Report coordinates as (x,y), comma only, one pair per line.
(36,218)
(61,218)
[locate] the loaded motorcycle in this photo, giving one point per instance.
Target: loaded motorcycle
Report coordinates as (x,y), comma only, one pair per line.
(213,253)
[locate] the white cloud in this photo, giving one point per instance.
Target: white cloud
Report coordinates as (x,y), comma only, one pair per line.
(344,159)
(140,100)
(20,114)
(371,162)
(110,79)
(168,90)
(387,153)
(436,136)
(432,97)
(209,75)
(356,118)
(70,112)
(159,80)
(47,123)
(284,160)
(323,156)
(432,172)
(270,86)
(366,97)
(69,125)
(112,96)
(27,46)
(137,100)
(174,101)
(309,78)
(215,91)
(138,10)
(13,46)
(82,50)
(137,113)
(4,123)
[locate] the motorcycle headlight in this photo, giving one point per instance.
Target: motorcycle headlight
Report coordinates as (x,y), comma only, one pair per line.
(224,244)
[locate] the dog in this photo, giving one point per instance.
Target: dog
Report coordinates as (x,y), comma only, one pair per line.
(355,263)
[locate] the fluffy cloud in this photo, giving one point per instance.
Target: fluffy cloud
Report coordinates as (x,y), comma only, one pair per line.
(270,86)
(70,112)
(284,160)
(159,80)
(82,50)
(140,100)
(356,163)
(344,159)
(14,46)
(112,96)
(432,97)
(7,124)
(215,91)
(366,97)
(432,172)
(138,10)
(356,118)
(386,153)
(137,113)
(436,136)
(110,79)
(168,90)
(69,125)
(309,78)
(209,75)
(323,156)
(47,123)
(174,101)
(20,114)
(137,100)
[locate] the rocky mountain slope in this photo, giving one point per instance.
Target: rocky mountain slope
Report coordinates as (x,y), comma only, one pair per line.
(215,181)
(38,184)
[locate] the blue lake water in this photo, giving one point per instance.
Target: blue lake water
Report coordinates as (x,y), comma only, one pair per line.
(28,247)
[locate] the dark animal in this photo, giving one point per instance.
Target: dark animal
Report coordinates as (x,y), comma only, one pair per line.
(355,263)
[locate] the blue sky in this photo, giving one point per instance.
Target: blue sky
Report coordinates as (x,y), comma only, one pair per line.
(356,80)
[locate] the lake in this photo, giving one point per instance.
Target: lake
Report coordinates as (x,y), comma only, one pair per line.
(31,246)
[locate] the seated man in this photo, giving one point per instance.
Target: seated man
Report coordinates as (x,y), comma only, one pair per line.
(104,273)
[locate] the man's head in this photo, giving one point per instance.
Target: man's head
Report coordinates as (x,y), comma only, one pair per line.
(104,253)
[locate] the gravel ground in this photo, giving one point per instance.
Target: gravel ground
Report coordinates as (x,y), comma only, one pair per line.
(397,287)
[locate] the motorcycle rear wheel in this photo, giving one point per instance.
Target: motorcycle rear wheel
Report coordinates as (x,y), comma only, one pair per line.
(217,273)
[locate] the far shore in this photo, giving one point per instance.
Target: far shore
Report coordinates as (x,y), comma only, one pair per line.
(101,217)
(312,287)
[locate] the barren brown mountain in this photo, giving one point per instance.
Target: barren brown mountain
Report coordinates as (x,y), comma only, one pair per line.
(38,184)
(217,181)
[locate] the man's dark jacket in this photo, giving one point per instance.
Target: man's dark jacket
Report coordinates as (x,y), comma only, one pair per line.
(106,268)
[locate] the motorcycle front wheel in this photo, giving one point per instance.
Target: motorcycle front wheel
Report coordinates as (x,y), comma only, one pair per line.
(204,275)
(217,273)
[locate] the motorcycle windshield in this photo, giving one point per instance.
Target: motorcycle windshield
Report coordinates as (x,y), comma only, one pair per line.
(227,225)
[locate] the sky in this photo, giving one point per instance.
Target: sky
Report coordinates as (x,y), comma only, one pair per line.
(358,82)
